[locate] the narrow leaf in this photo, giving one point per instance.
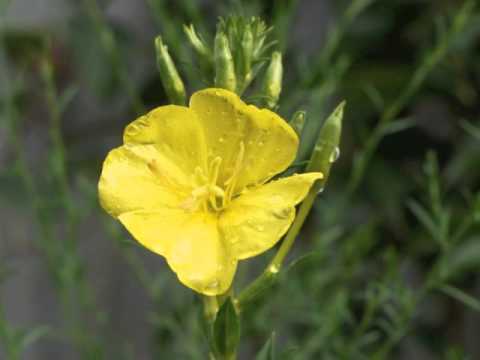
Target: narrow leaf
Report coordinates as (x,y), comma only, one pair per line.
(267,352)
(461,296)
(226,330)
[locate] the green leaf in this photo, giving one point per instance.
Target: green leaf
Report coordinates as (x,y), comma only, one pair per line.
(32,336)
(226,330)
(66,98)
(461,296)
(423,217)
(267,352)
(464,258)
(471,129)
(397,126)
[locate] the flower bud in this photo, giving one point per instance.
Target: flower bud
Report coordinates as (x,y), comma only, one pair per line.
(272,85)
(245,60)
(298,121)
(224,67)
(171,80)
(326,150)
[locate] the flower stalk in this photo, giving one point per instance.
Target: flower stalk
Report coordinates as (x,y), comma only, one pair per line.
(324,155)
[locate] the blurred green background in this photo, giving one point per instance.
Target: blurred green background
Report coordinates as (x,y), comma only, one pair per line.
(387,265)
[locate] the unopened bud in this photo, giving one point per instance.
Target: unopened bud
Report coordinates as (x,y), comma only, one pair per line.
(171,80)
(272,86)
(298,121)
(224,67)
(245,61)
(327,150)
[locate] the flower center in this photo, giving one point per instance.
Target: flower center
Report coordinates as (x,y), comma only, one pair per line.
(208,194)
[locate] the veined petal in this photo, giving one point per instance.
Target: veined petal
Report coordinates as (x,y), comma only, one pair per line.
(270,144)
(176,131)
(140,178)
(256,220)
(190,242)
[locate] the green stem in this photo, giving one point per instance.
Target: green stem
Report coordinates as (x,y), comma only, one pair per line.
(269,275)
(210,307)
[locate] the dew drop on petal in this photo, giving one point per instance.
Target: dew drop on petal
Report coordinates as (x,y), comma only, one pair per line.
(281,213)
(214,285)
(221,140)
(320,190)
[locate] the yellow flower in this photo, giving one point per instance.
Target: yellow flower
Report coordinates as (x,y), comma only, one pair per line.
(190,184)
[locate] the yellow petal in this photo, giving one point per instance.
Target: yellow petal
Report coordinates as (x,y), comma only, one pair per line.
(190,242)
(270,143)
(176,131)
(139,177)
(256,220)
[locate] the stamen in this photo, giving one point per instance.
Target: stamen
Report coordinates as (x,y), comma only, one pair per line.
(232,181)
(206,194)
(214,170)
(199,177)
(216,195)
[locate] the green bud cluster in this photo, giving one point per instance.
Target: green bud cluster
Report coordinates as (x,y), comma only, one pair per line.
(240,49)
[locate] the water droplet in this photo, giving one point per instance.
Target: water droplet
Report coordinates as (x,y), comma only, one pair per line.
(273,269)
(261,143)
(318,147)
(334,155)
(213,285)
(281,213)
(221,139)
(320,190)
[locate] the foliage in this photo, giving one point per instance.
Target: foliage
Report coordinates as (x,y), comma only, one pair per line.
(387,263)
